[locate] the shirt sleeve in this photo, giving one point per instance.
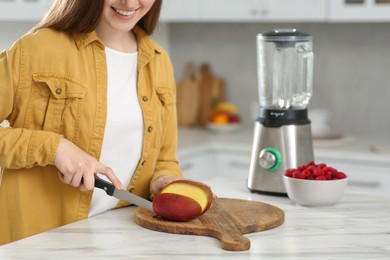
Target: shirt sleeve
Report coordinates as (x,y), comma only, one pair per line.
(19,147)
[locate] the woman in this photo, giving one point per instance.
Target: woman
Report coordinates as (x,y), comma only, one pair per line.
(85,92)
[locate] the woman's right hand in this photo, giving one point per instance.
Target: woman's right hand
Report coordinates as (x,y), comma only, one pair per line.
(77,168)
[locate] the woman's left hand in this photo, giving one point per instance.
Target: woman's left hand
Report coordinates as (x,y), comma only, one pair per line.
(161,182)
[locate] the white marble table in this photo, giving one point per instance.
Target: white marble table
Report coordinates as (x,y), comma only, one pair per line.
(358,227)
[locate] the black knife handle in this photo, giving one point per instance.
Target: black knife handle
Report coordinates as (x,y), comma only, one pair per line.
(104,185)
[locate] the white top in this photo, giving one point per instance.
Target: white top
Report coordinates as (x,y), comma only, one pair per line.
(123,136)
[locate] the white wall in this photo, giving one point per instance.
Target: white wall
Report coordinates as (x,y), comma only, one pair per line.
(10,31)
(351,70)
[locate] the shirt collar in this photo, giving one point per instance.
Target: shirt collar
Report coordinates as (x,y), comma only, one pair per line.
(83,40)
(147,48)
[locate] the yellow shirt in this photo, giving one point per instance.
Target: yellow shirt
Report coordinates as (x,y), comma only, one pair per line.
(53,84)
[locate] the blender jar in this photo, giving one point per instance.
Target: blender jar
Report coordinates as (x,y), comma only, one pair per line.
(285,69)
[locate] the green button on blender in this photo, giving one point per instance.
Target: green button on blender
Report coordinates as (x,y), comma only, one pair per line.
(270,159)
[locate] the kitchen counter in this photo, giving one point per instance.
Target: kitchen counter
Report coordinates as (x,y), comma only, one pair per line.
(348,147)
(358,227)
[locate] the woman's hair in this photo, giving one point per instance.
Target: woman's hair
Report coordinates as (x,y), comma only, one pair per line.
(82,16)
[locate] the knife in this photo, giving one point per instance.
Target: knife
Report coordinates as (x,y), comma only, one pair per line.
(110,189)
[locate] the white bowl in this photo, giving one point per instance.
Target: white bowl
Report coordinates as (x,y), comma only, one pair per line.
(314,192)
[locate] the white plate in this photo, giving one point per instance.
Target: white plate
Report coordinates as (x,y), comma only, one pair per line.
(226,128)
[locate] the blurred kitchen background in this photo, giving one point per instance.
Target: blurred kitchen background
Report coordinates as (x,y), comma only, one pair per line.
(351,49)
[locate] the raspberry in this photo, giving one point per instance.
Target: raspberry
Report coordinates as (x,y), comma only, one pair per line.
(289,172)
(319,172)
(340,175)
(321,178)
(298,175)
(312,168)
(329,170)
(311,164)
(321,165)
(306,173)
(312,171)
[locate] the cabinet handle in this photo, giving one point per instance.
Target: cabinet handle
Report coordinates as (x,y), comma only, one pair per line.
(259,12)
(364,183)
(187,166)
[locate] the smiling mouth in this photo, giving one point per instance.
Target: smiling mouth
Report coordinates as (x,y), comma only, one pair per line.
(123,12)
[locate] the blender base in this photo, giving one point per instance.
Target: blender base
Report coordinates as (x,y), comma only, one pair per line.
(270,193)
(274,150)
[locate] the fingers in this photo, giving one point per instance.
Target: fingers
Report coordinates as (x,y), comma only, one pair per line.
(161,182)
(88,182)
(75,180)
(77,168)
(84,178)
(109,173)
(61,176)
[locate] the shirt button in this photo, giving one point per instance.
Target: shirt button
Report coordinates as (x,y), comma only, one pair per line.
(150,129)
(58,91)
(145,98)
(131,190)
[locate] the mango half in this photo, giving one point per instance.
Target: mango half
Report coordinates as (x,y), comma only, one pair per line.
(183,200)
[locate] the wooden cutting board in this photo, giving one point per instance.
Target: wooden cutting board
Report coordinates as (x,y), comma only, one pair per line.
(212,91)
(188,96)
(227,220)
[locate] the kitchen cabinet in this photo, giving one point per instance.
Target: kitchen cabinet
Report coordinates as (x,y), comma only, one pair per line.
(179,10)
(23,10)
(211,161)
(263,10)
(276,11)
(232,163)
(359,10)
(198,166)
(363,175)
(243,10)
(204,155)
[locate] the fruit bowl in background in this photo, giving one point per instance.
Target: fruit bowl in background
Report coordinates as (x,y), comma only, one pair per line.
(315,184)
(224,117)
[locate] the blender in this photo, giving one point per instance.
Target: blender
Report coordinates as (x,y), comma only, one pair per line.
(282,135)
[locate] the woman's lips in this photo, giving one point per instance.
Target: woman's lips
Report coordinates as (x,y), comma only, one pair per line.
(125,13)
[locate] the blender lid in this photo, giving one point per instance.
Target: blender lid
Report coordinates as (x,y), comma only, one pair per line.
(284,35)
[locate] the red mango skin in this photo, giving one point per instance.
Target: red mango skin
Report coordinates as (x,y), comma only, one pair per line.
(176,207)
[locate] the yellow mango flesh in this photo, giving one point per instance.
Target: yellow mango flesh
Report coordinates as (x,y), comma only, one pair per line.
(190,191)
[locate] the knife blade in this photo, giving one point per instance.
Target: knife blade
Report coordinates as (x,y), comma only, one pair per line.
(110,189)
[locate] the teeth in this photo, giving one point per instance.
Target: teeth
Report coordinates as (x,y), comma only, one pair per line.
(127,13)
